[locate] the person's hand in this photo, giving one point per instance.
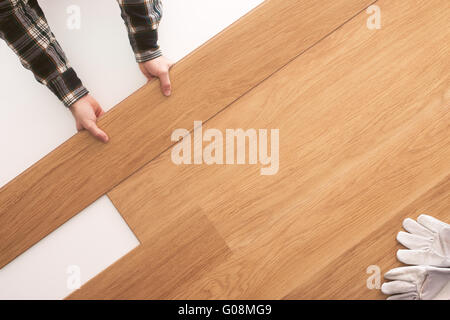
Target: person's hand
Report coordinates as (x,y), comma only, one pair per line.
(86,111)
(158,68)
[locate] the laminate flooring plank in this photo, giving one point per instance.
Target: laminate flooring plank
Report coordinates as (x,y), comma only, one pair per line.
(363,119)
(346,277)
(81,170)
(287,242)
(181,252)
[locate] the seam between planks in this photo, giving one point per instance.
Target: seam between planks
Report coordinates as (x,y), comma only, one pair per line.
(246,92)
(16,202)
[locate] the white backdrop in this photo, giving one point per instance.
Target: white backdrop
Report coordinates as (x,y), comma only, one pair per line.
(33,123)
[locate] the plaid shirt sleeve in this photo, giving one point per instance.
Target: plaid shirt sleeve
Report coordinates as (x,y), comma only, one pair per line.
(24,28)
(142,18)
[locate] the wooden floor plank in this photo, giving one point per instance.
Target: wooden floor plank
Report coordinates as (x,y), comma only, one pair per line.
(81,170)
(175,255)
(288,242)
(347,273)
(363,121)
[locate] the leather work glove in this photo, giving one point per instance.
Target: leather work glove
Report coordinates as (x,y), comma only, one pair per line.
(417,283)
(428,241)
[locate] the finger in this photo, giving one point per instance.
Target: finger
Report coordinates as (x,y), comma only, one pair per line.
(166,86)
(411,257)
(404,296)
(149,77)
(422,257)
(431,223)
(395,287)
(97,132)
(99,111)
(413,227)
(147,74)
(414,242)
(410,274)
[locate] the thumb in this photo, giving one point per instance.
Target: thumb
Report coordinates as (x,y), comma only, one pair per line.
(166,87)
(91,126)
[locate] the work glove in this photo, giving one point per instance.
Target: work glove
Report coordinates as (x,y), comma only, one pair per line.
(428,240)
(417,283)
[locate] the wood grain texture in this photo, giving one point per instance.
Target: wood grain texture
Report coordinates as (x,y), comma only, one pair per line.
(364,140)
(345,277)
(175,255)
(207,81)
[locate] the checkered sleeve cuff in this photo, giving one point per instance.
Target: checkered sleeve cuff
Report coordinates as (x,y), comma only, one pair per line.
(142,19)
(67,87)
(145,44)
(147,55)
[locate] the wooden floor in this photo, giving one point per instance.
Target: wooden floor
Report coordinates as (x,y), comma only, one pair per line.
(364,143)
(207,81)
